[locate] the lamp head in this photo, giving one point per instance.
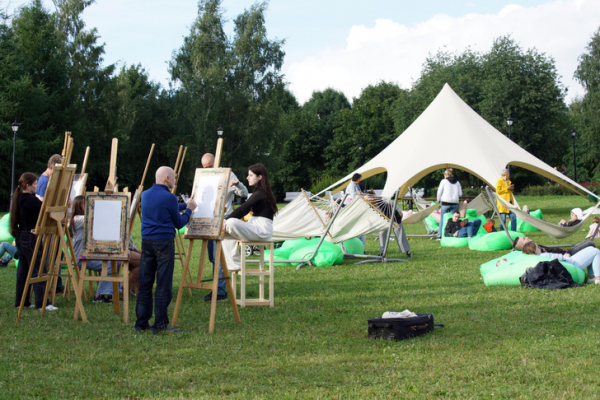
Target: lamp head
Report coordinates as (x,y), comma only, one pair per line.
(15,126)
(509,120)
(360,147)
(573,133)
(220,131)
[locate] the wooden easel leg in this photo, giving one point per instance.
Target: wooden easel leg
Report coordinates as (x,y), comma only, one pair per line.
(68,250)
(183,282)
(115,285)
(230,288)
(215,285)
(125,268)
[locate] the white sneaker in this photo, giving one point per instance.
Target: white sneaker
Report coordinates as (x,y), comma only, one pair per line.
(50,307)
(31,306)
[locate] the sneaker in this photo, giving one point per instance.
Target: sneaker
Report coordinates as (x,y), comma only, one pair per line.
(220,297)
(4,264)
(102,298)
(110,297)
(166,329)
(30,306)
(409,255)
(50,307)
(597,281)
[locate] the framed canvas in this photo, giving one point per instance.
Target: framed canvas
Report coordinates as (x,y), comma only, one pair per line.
(105,225)
(209,191)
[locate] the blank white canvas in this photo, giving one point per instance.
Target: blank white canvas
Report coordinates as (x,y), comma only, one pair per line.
(107,220)
(205,196)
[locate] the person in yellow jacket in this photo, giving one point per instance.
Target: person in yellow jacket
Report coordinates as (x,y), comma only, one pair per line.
(504,189)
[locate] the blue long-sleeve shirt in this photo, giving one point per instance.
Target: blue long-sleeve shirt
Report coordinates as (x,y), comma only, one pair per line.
(161,214)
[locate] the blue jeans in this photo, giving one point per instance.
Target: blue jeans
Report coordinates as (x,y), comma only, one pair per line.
(212,249)
(470,229)
(6,247)
(444,210)
(158,259)
(103,287)
(513,220)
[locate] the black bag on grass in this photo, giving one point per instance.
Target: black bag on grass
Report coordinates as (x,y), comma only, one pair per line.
(401,328)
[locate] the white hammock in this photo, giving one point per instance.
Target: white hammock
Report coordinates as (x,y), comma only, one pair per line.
(300,218)
(548,228)
(420,215)
(358,218)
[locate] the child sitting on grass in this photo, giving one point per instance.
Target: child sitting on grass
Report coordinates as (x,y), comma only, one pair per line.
(490,226)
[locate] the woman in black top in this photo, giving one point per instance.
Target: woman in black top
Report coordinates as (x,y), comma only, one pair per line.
(260,227)
(24,212)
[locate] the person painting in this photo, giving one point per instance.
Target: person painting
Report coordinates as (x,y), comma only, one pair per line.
(24,211)
(448,194)
(260,227)
(161,215)
(457,228)
(45,177)
(235,188)
(504,189)
(587,258)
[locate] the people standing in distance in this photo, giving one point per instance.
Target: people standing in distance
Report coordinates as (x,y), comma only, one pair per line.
(504,189)
(24,211)
(235,188)
(260,227)
(160,217)
(448,194)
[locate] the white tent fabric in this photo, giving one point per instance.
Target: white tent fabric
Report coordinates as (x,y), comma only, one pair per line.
(547,227)
(296,220)
(451,134)
(356,219)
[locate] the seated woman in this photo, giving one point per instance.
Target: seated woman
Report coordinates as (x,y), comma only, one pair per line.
(353,187)
(593,227)
(576,217)
(104,293)
(457,228)
(260,227)
(587,258)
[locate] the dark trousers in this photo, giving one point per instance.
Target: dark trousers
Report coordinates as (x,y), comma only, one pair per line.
(26,246)
(158,259)
(212,249)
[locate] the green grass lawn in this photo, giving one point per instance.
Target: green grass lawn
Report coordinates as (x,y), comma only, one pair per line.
(498,342)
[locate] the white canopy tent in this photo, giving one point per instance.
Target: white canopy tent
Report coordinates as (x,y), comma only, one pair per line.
(450,134)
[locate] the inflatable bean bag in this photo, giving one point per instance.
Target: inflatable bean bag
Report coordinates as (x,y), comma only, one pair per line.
(498,262)
(523,226)
(462,242)
(493,241)
(328,254)
(290,246)
(431,223)
(509,272)
(353,246)
(5,230)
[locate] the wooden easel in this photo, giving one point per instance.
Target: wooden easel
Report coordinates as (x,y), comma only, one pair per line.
(179,246)
(199,284)
(117,277)
(52,234)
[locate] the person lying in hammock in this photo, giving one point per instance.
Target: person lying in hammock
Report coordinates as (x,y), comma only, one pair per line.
(588,258)
(465,228)
(576,217)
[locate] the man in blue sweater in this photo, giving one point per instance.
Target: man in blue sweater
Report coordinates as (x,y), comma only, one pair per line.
(161,215)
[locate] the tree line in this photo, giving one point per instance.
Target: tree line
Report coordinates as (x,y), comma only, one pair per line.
(53,79)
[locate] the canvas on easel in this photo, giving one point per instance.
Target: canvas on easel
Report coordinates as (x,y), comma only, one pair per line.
(209,191)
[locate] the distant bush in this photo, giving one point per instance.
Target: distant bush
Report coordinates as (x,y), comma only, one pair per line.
(546,190)
(323,182)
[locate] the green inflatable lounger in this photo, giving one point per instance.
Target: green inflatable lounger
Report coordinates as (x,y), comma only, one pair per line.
(462,242)
(494,241)
(509,272)
(290,246)
(5,229)
(523,226)
(498,262)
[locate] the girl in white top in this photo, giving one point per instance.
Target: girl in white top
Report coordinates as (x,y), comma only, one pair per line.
(593,226)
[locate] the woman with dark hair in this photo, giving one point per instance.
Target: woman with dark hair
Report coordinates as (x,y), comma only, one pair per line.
(353,187)
(24,212)
(104,292)
(260,227)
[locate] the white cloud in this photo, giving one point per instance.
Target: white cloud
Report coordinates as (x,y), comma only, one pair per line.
(393,52)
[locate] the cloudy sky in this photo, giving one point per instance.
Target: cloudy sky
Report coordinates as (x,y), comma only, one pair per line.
(349,44)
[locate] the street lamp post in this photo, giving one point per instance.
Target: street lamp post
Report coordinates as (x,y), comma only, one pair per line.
(15,128)
(573,134)
(359,155)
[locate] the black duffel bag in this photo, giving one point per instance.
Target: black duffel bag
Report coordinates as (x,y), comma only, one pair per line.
(401,328)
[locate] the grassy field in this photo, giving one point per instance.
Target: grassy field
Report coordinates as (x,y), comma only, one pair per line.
(498,342)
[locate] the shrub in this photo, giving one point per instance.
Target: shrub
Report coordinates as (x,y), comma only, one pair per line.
(546,190)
